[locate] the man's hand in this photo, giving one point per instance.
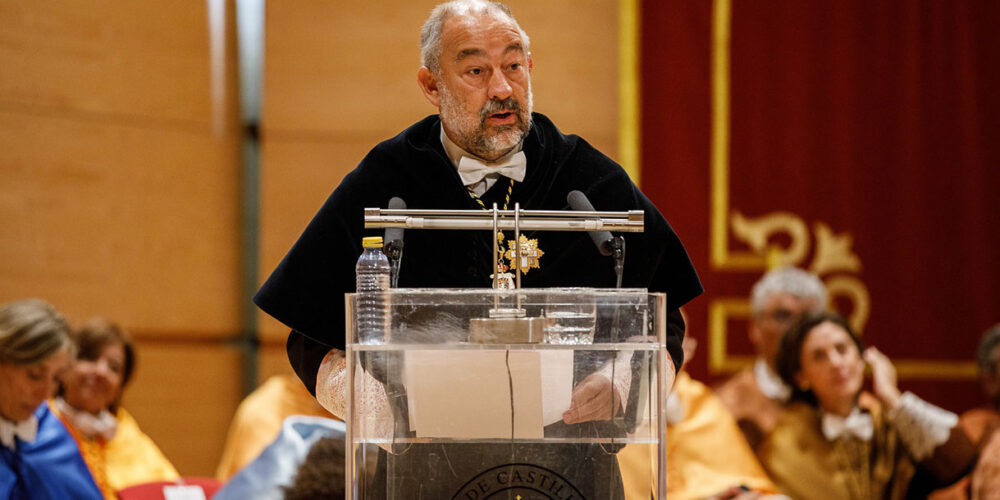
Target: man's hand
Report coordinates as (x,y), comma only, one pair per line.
(594,399)
(883,377)
(330,382)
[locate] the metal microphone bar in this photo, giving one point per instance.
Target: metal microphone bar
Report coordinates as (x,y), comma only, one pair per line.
(632,215)
(529,220)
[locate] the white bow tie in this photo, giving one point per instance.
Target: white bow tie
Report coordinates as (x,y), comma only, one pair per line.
(472,170)
(25,430)
(857,424)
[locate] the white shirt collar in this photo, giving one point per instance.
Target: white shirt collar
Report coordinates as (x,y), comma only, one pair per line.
(769,382)
(858,424)
(91,426)
(25,430)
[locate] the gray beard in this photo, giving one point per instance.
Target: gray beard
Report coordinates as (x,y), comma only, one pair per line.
(473,135)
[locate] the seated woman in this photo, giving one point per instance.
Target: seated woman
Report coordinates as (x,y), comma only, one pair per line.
(834,440)
(118,453)
(38,458)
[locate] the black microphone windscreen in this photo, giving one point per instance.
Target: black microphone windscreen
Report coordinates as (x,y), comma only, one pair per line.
(579,202)
(395,234)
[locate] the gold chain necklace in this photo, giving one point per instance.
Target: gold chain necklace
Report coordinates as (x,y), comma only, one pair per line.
(501,266)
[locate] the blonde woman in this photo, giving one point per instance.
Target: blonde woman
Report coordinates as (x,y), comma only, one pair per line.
(38,458)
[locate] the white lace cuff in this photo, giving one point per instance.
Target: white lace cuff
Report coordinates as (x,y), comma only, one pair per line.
(922,426)
(373,418)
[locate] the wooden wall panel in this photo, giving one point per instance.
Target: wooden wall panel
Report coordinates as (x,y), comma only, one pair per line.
(343,68)
(272,360)
(136,224)
(119,57)
(574,46)
(184,396)
(121,174)
(120,167)
(296,178)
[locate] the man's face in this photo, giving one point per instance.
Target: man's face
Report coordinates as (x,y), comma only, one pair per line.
(780,311)
(831,367)
(483,89)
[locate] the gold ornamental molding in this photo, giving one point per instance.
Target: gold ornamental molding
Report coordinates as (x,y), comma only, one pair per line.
(833,259)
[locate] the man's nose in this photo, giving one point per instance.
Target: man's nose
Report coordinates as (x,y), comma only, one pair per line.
(499,86)
(838,359)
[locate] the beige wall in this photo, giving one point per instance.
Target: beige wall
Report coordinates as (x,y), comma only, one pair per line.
(121,174)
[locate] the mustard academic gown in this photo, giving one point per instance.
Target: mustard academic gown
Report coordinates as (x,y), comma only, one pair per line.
(706,453)
(804,464)
(127,459)
(259,419)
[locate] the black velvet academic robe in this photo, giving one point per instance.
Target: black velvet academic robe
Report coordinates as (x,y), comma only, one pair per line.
(306,290)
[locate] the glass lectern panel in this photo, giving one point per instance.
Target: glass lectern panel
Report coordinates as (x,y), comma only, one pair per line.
(481,394)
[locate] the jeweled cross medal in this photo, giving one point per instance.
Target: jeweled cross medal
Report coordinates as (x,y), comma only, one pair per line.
(526,257)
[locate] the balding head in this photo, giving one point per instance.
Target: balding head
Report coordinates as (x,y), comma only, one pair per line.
(430,35)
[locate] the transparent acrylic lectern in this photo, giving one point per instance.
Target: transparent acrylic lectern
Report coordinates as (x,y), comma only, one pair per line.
(466,396)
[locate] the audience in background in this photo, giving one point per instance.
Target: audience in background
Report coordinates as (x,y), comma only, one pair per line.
(986,477)
(982,425)
(321,475)
(40,461)
(831,440)
(979,423)
(756,395)
(117,452)
(706,454)
(259,418)
(272,471)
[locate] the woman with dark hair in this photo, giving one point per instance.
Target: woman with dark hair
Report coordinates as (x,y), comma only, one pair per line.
(835,441)
(38,458)
(117,452)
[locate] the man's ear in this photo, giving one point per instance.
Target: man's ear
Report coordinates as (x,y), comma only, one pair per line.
(428,82)
(531,63)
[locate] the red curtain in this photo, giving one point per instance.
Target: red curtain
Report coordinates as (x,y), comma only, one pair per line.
(866,131)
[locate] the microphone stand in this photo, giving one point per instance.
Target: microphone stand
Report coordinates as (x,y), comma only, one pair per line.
(394,251)
(618,253)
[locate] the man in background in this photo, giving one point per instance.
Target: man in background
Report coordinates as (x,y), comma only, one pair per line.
(755,395)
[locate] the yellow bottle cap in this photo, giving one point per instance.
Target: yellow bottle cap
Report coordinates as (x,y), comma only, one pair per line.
(372,242)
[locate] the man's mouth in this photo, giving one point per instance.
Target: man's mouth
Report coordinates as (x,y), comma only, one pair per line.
(502,117)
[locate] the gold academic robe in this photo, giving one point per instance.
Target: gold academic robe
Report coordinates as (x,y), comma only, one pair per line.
(259,417)
(127,459)
(706,453)
(804,464)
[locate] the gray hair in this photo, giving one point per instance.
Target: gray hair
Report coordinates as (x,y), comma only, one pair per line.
(793,281)
(430,34)
(986,354)
(31,331)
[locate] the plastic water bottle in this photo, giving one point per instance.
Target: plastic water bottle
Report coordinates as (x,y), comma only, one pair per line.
(372,272)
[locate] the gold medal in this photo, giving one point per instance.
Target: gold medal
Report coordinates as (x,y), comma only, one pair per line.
(505,281)
(526,257)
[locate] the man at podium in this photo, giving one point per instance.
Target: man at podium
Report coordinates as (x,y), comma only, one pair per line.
(484,146)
